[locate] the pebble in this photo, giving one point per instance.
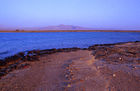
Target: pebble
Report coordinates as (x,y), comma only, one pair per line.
(98,67)
(114,75)
(66,76)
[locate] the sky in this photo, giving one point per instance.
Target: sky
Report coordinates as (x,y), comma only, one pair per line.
(96,14)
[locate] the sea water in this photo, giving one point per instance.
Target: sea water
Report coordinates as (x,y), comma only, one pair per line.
(12,43)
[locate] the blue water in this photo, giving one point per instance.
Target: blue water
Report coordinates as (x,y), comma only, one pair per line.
(12,43)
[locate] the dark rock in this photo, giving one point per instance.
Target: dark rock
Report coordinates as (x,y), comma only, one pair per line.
(13,66)
(31,58)
(30,52)
(9,70)
(2,63)
(60,50)
(21,54)
(3,70)
(84,48)
(12,58)
(25,65)
(2,74)
(37,52)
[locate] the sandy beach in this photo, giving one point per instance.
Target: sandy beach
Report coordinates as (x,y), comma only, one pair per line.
(110,67)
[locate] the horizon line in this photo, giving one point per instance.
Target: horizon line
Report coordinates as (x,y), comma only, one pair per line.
(20,31)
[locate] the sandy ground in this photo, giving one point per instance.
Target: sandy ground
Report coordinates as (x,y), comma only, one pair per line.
(73,71)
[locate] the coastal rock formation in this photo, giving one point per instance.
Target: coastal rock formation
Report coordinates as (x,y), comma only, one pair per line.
(118,53)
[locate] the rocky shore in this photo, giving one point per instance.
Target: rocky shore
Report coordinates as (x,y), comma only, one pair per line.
(19,60)
(124,52)
(118,53)
(118,64)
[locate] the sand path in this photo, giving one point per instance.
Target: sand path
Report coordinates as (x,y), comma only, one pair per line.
(72,71)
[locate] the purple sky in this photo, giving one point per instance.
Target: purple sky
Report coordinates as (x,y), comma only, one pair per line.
(97,14)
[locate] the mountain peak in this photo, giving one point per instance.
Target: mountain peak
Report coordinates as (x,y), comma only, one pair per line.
(64,27)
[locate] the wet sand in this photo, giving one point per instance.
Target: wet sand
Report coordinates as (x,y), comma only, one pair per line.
(100,68)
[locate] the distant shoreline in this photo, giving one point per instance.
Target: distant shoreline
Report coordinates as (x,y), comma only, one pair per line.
(22,31)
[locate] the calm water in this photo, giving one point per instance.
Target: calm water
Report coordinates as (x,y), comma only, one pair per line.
(11,43)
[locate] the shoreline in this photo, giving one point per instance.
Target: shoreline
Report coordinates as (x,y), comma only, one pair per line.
(35,51)
(39,31)
(12,62)
(102,67)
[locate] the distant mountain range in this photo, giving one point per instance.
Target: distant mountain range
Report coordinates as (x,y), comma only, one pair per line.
(59,27)
(64,27)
